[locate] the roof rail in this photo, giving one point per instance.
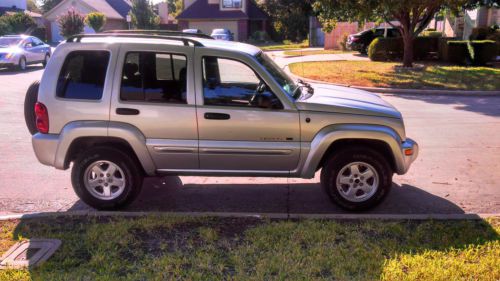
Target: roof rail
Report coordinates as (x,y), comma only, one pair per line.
(159,32)
(78,38)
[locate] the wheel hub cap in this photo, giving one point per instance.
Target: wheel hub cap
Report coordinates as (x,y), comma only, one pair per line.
(357,181)
(104,180)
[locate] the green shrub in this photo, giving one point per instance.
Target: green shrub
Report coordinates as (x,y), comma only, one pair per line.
(96,20)
(485,51)
(18,23)
(384,49)
(41,33)
(471,52)
(431,33)
(481,33)
(5,28)
(260,36)
(425,48)
(495,36)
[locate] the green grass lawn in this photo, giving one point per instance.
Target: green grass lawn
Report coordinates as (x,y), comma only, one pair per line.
(179,248)
(282,46)
(314,52)
(383,74)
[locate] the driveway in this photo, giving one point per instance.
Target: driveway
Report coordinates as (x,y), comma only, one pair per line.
(458,170)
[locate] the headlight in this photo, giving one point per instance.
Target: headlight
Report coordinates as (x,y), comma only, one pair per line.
(9,55)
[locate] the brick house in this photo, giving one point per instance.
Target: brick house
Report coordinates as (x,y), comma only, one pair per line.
(242,17)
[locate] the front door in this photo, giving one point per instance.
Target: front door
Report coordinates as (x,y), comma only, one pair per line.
(155,93)
(243,126)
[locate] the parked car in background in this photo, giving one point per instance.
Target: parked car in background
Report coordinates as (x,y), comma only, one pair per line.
(222,34)
(21,50)
(192,30)
(360,41)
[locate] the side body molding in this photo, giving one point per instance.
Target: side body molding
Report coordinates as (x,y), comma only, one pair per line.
(330,134)
(125,132)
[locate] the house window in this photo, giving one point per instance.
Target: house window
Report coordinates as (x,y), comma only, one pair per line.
(231,4)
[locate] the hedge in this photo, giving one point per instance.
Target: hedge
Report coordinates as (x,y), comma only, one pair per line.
(424,48)
(471,52)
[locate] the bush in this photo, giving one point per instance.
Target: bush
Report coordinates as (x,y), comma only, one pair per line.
(343,42)
(70,23)
(41,33)
(471,52)
(431,33)
(495,37)
(17,23)
(384,49)
(485,51)
(96,21)
(260,36)
(4,27)
(426,48)
(481,33)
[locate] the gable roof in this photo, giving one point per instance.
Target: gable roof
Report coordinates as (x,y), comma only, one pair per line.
(112,9)
(202,10)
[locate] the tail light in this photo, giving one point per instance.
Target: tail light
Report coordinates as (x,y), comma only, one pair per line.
(42,118)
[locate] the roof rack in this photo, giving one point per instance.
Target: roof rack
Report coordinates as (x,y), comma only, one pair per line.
(78,38)
(159,32)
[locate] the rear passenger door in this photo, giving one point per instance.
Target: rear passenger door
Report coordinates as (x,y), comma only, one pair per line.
(154,93)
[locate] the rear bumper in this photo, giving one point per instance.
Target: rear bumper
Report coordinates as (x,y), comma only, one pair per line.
(407,160)
(45,147)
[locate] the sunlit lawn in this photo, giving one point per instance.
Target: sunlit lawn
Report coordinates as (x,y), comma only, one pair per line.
(278,47)
(383,74)
(314,52)
(176,248)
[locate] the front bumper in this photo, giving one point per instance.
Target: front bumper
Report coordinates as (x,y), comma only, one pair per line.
(408,159)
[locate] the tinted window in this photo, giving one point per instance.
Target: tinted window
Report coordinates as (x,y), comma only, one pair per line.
(154,77)
(82,75)
(37,42)
(231,83)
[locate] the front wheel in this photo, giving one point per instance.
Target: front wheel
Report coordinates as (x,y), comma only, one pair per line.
(22,64)
(106,178)
(357,179)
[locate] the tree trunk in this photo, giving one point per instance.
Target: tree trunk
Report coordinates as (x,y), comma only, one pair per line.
(408,50)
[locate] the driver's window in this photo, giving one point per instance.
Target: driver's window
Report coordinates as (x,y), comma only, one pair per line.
(228,82)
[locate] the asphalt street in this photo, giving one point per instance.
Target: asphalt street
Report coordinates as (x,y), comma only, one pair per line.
(458,170)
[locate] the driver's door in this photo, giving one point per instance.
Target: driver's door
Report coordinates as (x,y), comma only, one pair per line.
(243,126)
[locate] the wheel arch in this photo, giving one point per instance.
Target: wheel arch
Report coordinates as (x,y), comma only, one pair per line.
(332,138)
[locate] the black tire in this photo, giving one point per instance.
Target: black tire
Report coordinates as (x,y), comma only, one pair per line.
(20,65)
(132,174)
(29,107)
(46,60)
(334,165)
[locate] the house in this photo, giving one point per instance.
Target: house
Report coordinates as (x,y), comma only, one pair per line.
(115,11)
(242,17)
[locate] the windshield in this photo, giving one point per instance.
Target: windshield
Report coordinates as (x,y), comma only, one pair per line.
(278,74)
(219,31)
(5,41)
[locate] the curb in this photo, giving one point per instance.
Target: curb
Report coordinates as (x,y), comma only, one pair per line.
(405,91)
(470,216)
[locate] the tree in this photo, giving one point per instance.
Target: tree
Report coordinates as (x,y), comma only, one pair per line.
(96,21)
(47,5)
(71,23)
(290,18)
(413,15)
(18,22)
(33,6)
(143,15)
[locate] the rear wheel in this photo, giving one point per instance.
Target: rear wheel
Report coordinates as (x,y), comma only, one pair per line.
(357,179)
(29,107)
(22,64)
(106,178)
(46,60)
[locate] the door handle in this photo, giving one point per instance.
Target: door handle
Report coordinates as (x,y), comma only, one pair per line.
(217,116)
(127,111)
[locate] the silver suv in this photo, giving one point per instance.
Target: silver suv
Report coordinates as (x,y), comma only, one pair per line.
(123,106)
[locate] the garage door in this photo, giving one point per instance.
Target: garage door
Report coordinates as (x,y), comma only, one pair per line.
(208,26)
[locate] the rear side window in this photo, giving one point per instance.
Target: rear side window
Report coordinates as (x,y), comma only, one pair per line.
(83,75)
(154,77)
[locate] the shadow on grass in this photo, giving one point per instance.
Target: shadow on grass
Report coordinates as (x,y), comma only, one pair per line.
(166,248)
(169,194)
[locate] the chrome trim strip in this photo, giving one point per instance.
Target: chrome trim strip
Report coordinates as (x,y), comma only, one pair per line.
(168,149)
(246,151)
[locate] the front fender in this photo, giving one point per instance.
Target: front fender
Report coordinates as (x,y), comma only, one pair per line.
(330,134)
